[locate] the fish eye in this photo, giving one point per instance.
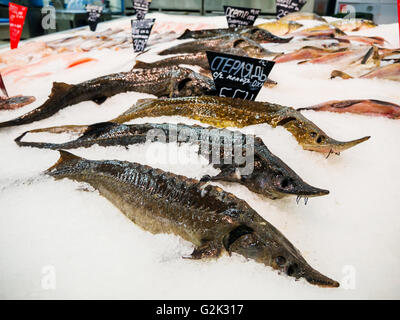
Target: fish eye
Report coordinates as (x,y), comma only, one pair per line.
(313,134)
(320,139)
(280,261)
(284,182)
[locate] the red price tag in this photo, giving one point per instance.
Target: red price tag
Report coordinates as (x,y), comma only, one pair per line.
(398,15)
(17,16)
(2,86)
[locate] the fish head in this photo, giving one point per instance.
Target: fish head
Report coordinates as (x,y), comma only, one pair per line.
(275,179)
(265,244)
(314,141)
(311,138)
(188,83)
(250,47)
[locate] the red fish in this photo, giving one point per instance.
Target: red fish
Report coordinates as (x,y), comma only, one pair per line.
(304,54)
(389,72)
(15,102)
(368,107)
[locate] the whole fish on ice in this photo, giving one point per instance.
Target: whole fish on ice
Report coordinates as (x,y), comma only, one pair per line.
(268,176)
(213,220)
(251,32)
(220,43)
(169,81)
(227,112)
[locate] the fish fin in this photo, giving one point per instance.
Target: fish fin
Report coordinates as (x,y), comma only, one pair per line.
(185,35)
(229,174)
(60,87)
(141,65)
(210,249)
(99,100)
(65,158)
(341,74)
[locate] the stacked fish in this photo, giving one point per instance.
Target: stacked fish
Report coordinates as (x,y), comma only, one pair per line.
(215,221)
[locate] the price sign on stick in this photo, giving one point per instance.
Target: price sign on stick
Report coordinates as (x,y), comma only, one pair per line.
(237,76)
(2,86)
(141,30)
(284,7)
(141,7)
(240,17)
(93,15)
(398,15)
(17,16)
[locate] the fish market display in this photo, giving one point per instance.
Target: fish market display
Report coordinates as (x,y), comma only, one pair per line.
(228,112)
(162,82)
(15,102)
(251,32)
(213,220)
(251,47)
(268,175)
(225,174)
(368,107)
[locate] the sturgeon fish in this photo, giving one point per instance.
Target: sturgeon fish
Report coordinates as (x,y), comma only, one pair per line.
(269,176)
(251,32)
(213,220)
(220,43)
(171,81)
(227,112)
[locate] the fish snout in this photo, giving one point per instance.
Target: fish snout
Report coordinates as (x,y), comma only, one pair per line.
(289,185)
(329,145)
(316,278)
(339,146)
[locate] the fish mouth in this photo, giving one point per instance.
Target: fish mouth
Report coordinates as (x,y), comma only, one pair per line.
(334,146)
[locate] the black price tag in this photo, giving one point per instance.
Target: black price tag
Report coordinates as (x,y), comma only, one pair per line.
(2,86)
(141,7)
(141,30)
(93,14)
(240,17)
(237,76)
(284,7)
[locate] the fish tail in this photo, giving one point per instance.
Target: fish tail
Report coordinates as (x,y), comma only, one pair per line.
(10,123)
(40,145)
(65,161)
